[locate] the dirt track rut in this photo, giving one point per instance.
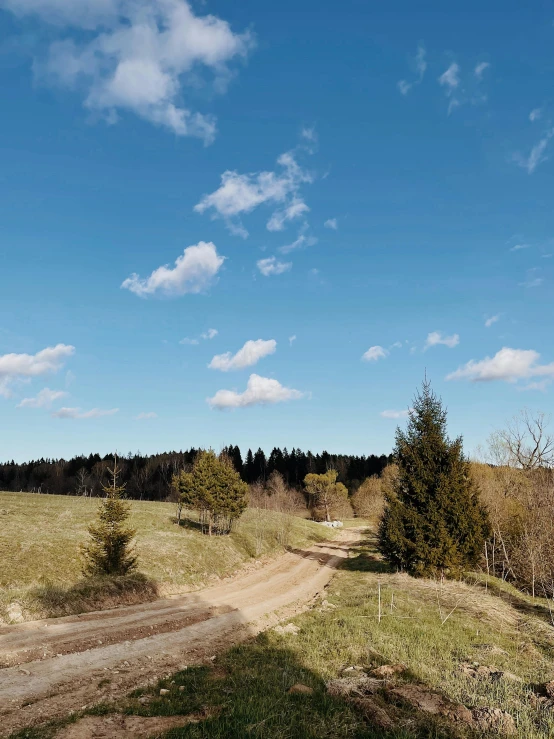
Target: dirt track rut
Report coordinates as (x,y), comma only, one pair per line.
(56,666)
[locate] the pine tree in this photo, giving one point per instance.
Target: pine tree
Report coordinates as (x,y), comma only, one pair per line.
(110,552)
(433,522)
(327,496)
(215,489)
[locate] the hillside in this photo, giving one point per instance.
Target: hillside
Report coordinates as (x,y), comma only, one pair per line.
(40,536)
(470,659)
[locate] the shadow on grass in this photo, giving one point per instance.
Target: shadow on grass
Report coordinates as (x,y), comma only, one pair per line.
(246,694)
(364,557)
(92,594)
(187,522)
(324,558)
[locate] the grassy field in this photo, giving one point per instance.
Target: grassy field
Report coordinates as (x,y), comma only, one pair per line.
(40,562)
(432,629)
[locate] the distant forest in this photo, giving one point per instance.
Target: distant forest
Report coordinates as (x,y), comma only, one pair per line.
(149,477)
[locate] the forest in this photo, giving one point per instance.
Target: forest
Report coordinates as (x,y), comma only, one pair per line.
(148,477)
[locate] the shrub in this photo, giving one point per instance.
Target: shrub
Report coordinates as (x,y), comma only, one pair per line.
(328,498)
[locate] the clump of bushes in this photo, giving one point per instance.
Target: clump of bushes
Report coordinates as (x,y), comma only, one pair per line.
(214,489)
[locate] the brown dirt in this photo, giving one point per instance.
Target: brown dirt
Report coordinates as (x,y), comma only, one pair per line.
(116,726)
(55,666)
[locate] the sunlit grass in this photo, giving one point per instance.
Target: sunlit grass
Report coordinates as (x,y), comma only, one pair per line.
(40,537)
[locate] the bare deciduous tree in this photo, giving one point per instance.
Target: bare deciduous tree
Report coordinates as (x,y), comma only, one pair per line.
(82,482)
(524,443)
(517,486)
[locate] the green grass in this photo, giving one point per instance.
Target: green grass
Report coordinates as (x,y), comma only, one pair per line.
(40,536)
(246,691)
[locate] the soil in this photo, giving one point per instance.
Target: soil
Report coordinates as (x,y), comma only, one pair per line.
(53,667)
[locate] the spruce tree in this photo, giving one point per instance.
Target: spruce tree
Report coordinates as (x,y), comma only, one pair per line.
(109,552)
(433,522)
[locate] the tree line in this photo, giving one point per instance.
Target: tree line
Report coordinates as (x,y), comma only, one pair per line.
(148,477)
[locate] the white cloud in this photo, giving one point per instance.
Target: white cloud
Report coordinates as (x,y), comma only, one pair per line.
(211,333)
(242,193)
(451,78)
(396,414)
(249,355)
(292,339)
(194,271)
(374,353)
(540,386)
(299,243)
(50,359)
(493,319)
(531,279)
(537,154)
(43,399)
(137,56)
(20,366)
(271,266)
(309,134)
(331,223)
(294,210)
(531,282)
(259,391)
(519,247)
(509,365)
(146,416)
(396,345)
(535,114)
(419,63)
(404,87)
(205,336)
(480,68)
(436,338)
(78,413)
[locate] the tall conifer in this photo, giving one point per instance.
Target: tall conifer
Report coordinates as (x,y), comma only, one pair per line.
(433,522)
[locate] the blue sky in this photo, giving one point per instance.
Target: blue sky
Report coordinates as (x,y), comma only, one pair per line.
(375,183)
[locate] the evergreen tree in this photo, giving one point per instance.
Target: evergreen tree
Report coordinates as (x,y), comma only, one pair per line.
(110,552)
(259,466)
(237,459)
(433,521)
(213,488)
(249,467)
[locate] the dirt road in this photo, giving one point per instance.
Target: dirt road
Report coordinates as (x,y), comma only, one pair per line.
(52,667)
